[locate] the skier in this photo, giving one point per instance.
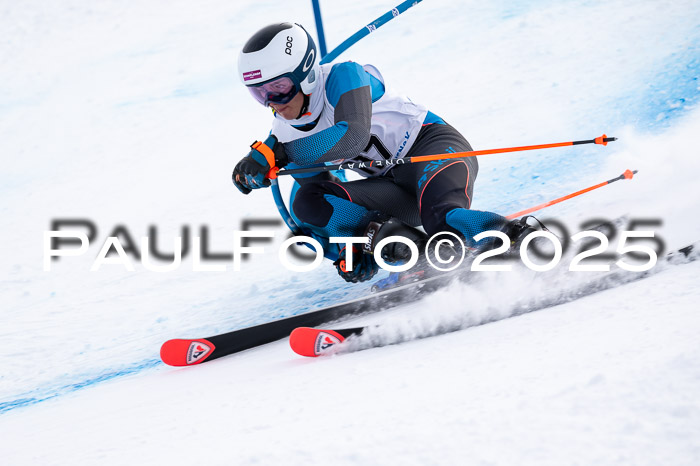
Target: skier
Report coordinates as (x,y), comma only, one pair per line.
(346,112)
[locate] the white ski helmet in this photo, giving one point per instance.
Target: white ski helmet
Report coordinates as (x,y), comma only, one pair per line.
(277,62)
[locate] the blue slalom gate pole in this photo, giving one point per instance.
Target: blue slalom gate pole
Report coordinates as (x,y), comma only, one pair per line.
(319,27)
(370,28)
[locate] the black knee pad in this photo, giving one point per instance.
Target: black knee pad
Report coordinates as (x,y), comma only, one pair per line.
(310,205)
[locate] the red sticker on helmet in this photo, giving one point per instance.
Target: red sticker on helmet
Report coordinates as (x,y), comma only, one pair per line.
(250,75)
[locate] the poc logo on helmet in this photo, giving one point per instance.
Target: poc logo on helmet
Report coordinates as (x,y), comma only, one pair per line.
(288,48)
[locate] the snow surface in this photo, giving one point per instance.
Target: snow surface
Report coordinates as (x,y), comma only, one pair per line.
(133,115)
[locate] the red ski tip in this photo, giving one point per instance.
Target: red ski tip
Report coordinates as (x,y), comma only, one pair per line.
(628,174)
(601,140)
(312,342)
(186,352)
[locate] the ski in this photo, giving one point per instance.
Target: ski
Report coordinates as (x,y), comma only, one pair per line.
(188,352)
(314,342)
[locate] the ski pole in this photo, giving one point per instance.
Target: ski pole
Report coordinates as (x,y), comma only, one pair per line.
(603,140)
(627,175)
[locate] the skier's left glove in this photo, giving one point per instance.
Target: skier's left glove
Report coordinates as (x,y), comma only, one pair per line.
(255,169)
(363,265)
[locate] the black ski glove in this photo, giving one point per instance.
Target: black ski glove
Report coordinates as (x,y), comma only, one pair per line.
(255,169)
(363,265)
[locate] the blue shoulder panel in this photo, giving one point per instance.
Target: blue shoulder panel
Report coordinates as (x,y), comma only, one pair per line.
(377,88)
(345,77)
(431,118)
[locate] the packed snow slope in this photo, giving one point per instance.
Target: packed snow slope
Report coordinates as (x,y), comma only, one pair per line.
(133,116)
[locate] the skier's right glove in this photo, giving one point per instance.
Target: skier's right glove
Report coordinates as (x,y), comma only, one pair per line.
(363,265)
(255,169)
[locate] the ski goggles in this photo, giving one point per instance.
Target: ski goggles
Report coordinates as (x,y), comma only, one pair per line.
(277,91)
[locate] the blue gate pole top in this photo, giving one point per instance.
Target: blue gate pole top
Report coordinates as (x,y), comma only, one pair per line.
(319,28)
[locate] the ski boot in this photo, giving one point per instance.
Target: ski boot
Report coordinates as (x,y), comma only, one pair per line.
(378,226)
(382,226)
(518,230)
